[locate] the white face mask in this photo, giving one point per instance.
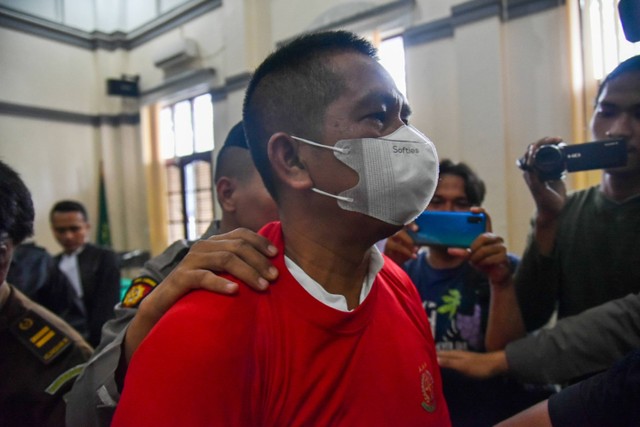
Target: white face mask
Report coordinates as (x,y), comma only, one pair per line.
(398,174)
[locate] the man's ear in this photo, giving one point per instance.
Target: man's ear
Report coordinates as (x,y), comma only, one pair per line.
(225,187)
(285,163)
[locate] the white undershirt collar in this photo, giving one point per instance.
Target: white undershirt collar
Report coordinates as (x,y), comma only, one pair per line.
(339,302)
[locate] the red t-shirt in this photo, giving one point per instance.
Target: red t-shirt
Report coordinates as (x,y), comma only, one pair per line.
(283,358)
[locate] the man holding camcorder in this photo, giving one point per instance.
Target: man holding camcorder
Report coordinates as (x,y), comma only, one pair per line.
(582,249)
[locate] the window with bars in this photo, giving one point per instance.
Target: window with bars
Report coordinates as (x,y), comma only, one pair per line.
(187,149)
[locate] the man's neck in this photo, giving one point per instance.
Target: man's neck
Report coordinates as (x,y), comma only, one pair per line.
(227,224)
(338,268)
(620,187)
(75,251)
(439,258)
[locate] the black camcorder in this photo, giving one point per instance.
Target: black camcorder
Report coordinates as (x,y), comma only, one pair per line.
(551,162)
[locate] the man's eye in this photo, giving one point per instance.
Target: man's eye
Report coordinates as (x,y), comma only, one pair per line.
(606,112)
(379,116)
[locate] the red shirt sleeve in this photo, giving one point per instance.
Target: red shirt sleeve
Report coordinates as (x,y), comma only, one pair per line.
(196,367)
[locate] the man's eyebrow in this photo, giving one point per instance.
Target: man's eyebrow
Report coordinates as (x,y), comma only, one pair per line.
(386,99)
(609,104)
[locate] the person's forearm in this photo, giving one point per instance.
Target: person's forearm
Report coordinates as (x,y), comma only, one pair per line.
(536,416)
(544,233)
(142,323)
(505,322)
(480,366)
(578,345)
(536,285)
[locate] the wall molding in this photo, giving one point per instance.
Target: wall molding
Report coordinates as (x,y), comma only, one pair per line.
(181,86)
(48,114)
(474,11)
(368,14)
(100,40)
(233,83)
(431,31)
(200,79)
(461,14)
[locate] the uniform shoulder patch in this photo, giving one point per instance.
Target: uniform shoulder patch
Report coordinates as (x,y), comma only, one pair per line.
(140,287)
(40,336)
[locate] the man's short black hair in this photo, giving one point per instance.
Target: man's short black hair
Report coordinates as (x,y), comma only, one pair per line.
(629,66)
(474,187)
(16,206)
(234,159)
(69,206)
(291,89)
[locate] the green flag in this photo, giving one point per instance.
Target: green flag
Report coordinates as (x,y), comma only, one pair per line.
(104,232)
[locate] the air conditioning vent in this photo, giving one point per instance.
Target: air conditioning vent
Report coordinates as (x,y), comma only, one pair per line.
(178,57)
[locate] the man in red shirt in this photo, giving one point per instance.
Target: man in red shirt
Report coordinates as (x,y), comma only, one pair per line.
(340,338)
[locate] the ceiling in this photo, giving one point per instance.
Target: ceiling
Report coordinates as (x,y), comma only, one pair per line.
(106,16)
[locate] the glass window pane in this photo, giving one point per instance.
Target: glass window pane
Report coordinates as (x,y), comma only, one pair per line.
(167,141)
(190,201)
(391,55)
(175,208)
(205,206)
(173,180)
(203,123)
(204,177)
(183,128)
(176,231)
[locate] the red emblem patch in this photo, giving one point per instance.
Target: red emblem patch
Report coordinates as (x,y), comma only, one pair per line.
(428,389)
(140,288)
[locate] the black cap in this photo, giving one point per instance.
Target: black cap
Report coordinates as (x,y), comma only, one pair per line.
(236,137)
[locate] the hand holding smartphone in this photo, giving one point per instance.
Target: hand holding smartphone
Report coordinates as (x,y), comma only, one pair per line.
(449,229)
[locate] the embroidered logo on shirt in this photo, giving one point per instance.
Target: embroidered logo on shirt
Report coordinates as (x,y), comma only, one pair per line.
(140,288)
(40,336)
(428,390)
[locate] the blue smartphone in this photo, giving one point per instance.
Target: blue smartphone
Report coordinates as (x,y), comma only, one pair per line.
(450,229)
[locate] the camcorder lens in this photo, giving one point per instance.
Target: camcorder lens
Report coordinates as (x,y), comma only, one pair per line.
(549,159)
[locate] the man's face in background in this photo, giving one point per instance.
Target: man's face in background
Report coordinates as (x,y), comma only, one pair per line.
(450,195)
(70,230)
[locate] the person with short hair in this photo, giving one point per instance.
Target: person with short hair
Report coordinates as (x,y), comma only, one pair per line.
(340,338)
(229,244)
(582,255)
(93,271)
(455,286)
(40,354)
(582,247)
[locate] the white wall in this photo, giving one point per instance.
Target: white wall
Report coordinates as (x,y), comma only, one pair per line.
(56,162)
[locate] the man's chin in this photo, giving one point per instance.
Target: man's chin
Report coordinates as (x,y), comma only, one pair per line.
(630,170)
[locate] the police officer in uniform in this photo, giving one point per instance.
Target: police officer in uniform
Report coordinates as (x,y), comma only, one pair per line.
(40,354)
(245,203)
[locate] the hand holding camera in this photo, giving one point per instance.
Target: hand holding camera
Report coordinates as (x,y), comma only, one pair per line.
(549,195)
(552,159)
